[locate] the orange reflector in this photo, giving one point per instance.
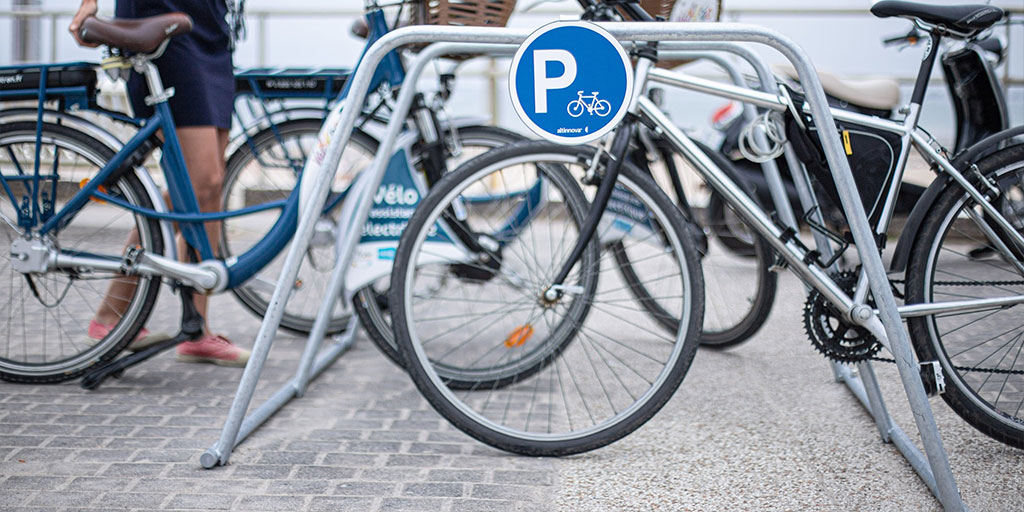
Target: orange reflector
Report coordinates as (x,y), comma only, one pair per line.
(100,188)
(518,336)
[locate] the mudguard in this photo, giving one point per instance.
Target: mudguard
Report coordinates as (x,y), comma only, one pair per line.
(974,153)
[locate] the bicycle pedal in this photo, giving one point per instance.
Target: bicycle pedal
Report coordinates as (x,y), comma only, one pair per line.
(932,377)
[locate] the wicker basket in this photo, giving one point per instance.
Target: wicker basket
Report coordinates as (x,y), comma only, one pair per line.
(466,13)
(663,9)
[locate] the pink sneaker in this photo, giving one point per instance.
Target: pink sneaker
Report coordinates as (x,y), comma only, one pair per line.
(144,339)
(213,348)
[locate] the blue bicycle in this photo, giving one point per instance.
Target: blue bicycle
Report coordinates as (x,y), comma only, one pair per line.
(69,202)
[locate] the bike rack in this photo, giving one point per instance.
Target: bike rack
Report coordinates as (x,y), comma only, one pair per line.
(864,387)
(320,168)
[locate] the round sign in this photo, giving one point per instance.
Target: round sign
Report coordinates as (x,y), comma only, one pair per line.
(571,82)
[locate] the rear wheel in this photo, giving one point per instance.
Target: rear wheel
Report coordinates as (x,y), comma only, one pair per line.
(956,257)
(371,302)
(266,169)
(44,317)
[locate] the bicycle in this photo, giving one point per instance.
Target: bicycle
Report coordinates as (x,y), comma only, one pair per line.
(552,411)
(592,105)
(118,194)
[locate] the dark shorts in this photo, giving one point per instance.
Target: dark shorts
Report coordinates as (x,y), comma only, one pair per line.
(197,65)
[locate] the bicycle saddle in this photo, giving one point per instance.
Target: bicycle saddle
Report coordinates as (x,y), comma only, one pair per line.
(962,18)
(142,35)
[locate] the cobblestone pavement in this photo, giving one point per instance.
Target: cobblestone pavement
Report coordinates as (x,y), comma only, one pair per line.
(762,427)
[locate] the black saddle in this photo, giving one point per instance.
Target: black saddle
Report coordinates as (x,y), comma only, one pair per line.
(961,18)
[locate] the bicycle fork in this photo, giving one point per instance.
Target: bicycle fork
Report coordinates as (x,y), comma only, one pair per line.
(617,155)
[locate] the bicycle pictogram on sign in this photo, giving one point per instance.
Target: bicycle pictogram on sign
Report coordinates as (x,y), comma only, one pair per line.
(590,104)
(571,82)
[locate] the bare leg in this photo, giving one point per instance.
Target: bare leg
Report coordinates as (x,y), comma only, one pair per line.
(203,148)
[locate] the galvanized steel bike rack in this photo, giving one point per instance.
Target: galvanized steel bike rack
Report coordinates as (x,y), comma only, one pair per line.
(320,168)
(863,384)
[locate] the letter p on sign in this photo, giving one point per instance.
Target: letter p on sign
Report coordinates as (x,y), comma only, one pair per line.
(542,82)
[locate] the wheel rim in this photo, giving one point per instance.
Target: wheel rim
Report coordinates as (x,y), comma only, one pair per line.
(976,344)
(60,341)
(478,413)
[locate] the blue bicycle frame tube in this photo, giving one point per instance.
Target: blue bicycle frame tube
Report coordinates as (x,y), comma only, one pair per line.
(76,202)
(390,68)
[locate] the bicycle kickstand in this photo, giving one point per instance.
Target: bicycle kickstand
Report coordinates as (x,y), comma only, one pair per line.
(191,329)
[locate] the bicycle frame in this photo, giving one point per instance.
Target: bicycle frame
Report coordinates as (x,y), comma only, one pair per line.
(213,275)
(793,251)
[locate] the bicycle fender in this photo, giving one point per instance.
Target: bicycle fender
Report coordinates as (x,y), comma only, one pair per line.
(901,255)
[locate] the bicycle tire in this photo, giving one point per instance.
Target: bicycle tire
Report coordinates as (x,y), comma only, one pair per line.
(456,404)
(264,170)
(371,301)
(739,291)
(942,265)
(60,327)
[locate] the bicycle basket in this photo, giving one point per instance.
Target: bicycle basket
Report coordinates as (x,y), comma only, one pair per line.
(682,10)
(466,13)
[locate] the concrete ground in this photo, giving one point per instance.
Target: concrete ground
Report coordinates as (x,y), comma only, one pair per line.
(760,427)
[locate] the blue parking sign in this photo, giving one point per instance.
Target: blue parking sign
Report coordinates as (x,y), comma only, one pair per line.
(570,82)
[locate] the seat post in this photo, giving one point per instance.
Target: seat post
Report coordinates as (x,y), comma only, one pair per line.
(927,63)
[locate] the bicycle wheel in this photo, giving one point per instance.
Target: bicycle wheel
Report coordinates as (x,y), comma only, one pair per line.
(739,291)
(575,108)
(576,372)
(981,352)
(602,108)
(371,302)
(266,169)
(45,318)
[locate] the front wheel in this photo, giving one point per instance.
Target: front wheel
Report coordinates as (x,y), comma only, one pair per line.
(583,365)
(961,254)
(602,108)
(575,108)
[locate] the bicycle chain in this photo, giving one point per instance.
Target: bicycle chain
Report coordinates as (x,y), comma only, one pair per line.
(964,283)
(979,370)
(967,283)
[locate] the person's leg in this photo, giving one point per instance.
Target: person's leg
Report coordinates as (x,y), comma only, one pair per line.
(203,148)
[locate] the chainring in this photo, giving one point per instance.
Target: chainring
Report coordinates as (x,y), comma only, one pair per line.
(831,334)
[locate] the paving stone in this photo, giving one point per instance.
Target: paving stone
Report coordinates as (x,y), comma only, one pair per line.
(456,475)
(42,483)
(135,469)
(522,477)
(339,503)
(105,430)
(505,492)
(15,499)
(75,442)
(411,504)
(101,484)
(433,489)
(62,499)
(373,447)
(356,488)
(271,503)
(484,506)
(201,502)
(103,455)
(122,500)
(413,460)
(324,473)
(282,457)
(436,448)
(260,471)
(294,487)
(23,440)
(351,459)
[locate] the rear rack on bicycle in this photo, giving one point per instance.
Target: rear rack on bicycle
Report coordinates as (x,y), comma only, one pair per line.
(72,83)
(270,83)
